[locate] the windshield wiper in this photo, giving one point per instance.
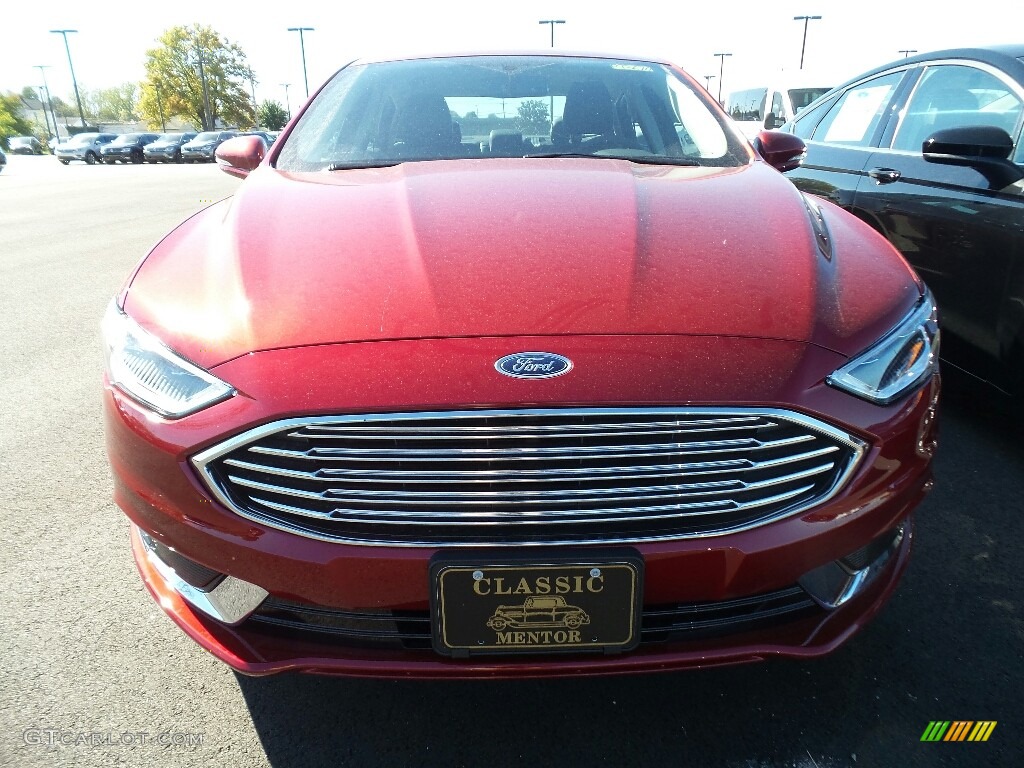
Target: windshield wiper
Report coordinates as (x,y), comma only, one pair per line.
(642,159)
(357,164)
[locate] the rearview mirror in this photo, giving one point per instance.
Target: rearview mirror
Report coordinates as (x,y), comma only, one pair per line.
(782,151)
(982,141)
(240,155)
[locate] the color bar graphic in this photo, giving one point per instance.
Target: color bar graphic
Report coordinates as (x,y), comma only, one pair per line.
(958,730)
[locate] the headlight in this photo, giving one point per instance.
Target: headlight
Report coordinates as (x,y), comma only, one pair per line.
(147,370)
(900,360)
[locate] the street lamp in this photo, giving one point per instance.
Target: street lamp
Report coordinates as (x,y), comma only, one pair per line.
(806,20)
(721,70)
(907,51)
(287,101)
(42,69)
(42,103)
(707,81)
(302,44)
(64,33)
(551,97)
(160,108)
(207,114)
(255,117)
(551,23)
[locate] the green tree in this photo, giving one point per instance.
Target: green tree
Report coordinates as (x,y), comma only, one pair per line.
(532,117)
(271,115)
(117,104)
(11,121)
(176,69)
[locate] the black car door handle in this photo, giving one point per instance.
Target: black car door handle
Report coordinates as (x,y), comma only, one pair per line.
(884,175)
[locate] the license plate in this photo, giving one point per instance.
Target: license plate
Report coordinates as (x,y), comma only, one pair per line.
(571,603)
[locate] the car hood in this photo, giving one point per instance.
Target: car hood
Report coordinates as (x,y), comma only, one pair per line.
(517,247)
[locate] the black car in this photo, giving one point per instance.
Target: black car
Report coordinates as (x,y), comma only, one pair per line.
(24,145)
(928,151)
(127,148)
(202,148)
(167,148)
(267,136)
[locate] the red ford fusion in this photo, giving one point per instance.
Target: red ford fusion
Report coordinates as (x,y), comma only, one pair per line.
(504,365)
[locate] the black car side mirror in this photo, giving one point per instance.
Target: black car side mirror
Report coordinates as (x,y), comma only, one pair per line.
(981,141)
(984,148)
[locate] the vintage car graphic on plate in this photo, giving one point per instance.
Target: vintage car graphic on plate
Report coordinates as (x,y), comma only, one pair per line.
(542,611)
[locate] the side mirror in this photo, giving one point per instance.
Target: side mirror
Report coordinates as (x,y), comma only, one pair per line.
(240,155)
(970,141)
(782,151)
(984,148)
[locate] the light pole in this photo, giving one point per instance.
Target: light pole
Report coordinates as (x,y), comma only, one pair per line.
(907,51)
(42,103)
(42,69)
(287,101)
(64,33)
(806,20)
(252,83)
(551,97)
(160,108)
(721,70)
(707,81)
(207,115)
(551,23)
(302,44)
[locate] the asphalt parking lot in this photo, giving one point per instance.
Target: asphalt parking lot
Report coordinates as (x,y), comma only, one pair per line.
(96,675)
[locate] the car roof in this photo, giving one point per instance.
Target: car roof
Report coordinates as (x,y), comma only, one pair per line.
(518,53)
(1004,57)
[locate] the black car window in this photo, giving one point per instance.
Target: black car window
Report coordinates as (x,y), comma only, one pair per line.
(855,116)
(949,96)
(805,123)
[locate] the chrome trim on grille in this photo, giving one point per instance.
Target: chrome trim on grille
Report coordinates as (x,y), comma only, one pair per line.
(323,489)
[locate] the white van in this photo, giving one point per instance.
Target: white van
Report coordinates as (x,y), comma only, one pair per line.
(768,107)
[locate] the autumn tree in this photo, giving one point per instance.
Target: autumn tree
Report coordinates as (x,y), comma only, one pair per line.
(176,70)
(117,104)
(11,121)
(272,116)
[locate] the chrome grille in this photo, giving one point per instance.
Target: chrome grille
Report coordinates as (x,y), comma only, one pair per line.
(532,476)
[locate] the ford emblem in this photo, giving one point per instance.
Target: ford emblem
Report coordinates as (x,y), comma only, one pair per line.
(533,365)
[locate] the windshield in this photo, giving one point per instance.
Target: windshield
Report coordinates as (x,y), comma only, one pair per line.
(207,136)
(507,106)
(83,138)
(127,138)
(19,140)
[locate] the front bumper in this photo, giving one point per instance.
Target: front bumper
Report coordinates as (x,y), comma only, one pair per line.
(157,488)
(198,154)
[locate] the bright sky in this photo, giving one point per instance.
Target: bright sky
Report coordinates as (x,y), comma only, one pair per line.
(852,36)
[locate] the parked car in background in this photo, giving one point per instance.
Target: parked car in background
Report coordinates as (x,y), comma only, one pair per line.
(267,136)
(201,148)
(928,151)
(401,380)
(84,146)
(167,148)
(770,106)
(127,148)
(24,145)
